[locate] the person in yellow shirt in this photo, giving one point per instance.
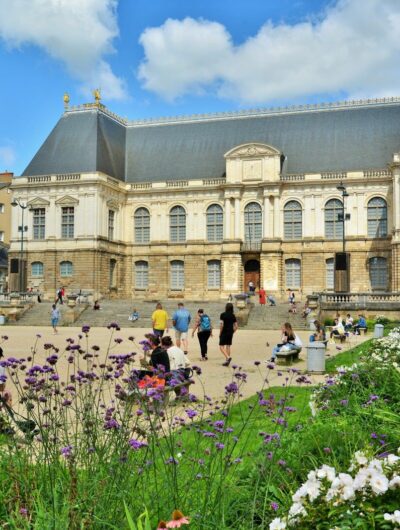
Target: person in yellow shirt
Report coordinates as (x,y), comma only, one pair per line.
(159,319)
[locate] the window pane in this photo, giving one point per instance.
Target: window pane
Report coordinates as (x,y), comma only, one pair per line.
(177,275)
(253,222)
(378,273)
(141,275)
(142,225)
(66,268)
(293,221)
(67,222)
(111,218)
(214,274)
(215,223)
(377,217)
(333,226)
(37,268)
(293,273)
(330,279)
(177,224)
(39,222)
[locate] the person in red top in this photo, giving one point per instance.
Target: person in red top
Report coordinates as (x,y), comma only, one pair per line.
(262,296)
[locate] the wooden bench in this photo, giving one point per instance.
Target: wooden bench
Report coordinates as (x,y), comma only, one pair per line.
(288,356)
(339,339)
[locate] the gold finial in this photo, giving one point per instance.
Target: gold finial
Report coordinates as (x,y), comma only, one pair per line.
(97,95)
(66,99)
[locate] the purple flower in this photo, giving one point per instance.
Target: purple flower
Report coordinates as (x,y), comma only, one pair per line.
(274,506)
(118,340)
(219,446)
(111,424)
(219,424)
(85,328)
(257,363)
(232,388)
(207,434)
(327,450)
(191,413)
(344,402)
(66,452)
(136,444)
(23,512)
(172,460)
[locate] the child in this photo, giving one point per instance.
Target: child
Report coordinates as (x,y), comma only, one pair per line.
(134,316)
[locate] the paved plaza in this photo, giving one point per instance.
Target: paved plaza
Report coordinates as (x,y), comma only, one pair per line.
(248,346)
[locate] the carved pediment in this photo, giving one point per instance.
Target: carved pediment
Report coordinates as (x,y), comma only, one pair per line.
(38,202)
(67,200)
(252,150)
(112,204)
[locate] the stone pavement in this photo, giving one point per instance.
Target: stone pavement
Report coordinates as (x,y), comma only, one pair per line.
(248,346)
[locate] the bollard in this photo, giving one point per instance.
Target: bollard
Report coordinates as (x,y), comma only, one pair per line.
(316,357)
(378,331)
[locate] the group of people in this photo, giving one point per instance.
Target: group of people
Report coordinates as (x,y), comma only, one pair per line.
(347,325)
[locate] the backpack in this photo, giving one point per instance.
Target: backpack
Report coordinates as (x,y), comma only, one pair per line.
(205,323)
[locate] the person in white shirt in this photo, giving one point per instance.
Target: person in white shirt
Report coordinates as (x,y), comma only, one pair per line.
(177,358)
(337,329)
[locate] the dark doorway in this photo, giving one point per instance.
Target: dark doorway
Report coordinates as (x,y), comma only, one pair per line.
(251,274)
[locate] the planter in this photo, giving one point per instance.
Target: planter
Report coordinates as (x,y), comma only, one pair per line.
(72,300)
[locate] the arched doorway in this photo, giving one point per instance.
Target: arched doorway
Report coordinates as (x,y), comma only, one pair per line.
(251,273)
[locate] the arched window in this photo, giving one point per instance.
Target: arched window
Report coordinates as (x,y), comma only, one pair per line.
(142,225)
(66,268)
(177,275)
(177,224)
(377,217)
(141,275)
(214,274)
(378,273)
(293,273)
(215,223)
(293,220)
(333,223)
(330,274)
(252,222)
(37,269)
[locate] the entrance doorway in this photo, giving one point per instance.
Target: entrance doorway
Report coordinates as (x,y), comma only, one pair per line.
(251,273)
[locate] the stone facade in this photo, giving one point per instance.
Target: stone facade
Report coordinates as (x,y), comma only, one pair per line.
(99,248)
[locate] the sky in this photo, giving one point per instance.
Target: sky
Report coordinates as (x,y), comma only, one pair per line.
(155,58)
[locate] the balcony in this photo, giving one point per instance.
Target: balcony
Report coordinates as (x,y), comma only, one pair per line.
(250,246)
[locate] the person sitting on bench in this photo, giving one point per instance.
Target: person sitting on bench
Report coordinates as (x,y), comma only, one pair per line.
(348,324)
(361,324)
(338,329)
(288,341)
(179,364)
(319,333)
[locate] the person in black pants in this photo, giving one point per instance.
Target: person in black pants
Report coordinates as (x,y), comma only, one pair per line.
(227,327)
(204,332)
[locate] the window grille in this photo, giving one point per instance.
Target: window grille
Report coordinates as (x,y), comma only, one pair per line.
(177,275)
(67,222)
(330,274)
(39,223)
(215,223)
(214,274)
(378,273)
(177,223)
(37,268)
(293,273)
(142,225)
(141,275)
(377,217)
(66,268)
(333,225)
(253,222)
(293,220)
(111,220)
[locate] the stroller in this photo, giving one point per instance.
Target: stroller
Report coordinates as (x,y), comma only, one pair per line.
(28,427)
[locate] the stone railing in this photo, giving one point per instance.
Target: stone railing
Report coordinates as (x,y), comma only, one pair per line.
(251,246)
(356,301)
(142,186)
(39,178)
(335,175)
(293,177)
(376,173)
(177,183)
(69,176)
(214,182)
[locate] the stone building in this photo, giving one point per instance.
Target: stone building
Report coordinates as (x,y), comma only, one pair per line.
(5,226)
(197,206)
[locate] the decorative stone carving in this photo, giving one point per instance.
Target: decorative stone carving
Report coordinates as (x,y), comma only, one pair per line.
(67,200)
(252,150)
(38,202)
(252,169)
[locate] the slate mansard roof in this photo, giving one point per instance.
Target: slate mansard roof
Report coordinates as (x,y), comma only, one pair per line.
(332,137)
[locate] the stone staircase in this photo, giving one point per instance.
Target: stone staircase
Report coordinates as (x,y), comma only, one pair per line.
(266,317)
(38,315)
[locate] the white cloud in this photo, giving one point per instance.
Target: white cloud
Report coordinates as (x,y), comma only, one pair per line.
(77,32)
(352,49)
(7,157)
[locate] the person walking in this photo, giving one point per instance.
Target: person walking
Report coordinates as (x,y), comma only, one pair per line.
(181,320)
(204,332)
(59,297)
(55,317)
(228,326)
(262,296)
(159,320)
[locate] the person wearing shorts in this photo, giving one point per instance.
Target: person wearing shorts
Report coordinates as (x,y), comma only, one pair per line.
(159,320)
(181,320)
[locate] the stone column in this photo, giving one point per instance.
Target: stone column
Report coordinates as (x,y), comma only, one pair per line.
(276,217)
(227,218)
(237,218)
(266,220)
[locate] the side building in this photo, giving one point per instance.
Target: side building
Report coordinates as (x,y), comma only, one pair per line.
(196,207)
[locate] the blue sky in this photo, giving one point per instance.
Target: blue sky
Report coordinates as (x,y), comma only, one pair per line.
(167,57)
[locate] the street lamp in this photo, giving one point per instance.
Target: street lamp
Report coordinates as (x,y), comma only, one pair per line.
(343,216)
(21,228)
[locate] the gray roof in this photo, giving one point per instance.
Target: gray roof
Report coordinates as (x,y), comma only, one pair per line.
(347,137)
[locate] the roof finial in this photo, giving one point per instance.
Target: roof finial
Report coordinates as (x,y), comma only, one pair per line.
(97,95)
(66,99)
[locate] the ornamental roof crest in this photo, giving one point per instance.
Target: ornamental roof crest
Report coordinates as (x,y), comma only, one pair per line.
(251,150)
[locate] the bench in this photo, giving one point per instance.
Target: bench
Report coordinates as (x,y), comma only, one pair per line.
(339,339)
(288,356)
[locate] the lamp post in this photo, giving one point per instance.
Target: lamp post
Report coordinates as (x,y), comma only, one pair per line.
(342,216)
(21,228)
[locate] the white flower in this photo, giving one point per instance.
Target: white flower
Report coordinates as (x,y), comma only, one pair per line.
(313,408)
(393,518)
(313,488)
(361,479)
(300,494)
(348,493)
(277,524)
(395,482)
(379,483)
(392,459)
(375,465)
(360,458)
(327,472)
(296,510)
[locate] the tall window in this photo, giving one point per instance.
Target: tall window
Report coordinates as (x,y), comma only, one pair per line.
(378,273)
(1,207)
(111,220)
(177,224)
(141,275)
(333,226)
(177,275)
(214,274)
(293,273)
(330,274)
(253,222)
(142,225)
(1,235)
(37,269)
(377,217)
(112,281)
(293,220)
(215,223)
(66,268)
(67,221)
(39,223)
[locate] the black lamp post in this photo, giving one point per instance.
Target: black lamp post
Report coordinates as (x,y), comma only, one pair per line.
(343,216)
(21,228)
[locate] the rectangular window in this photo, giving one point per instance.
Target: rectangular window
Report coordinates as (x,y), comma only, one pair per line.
(1,208)
(214,274)
(141,275)
(330,268)
(177,276)
(293,274)
(1,235)
(67,222)
(39,223)
(111,218)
